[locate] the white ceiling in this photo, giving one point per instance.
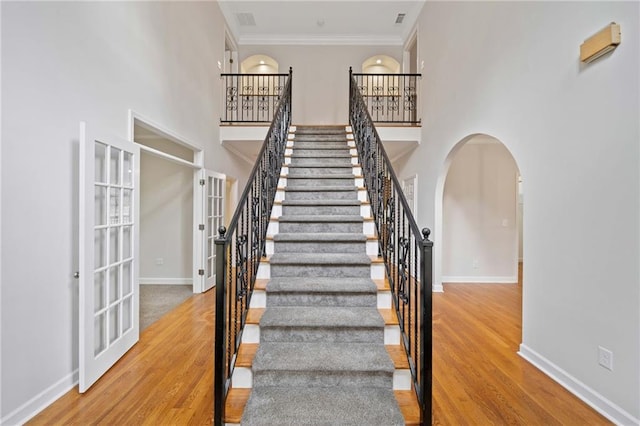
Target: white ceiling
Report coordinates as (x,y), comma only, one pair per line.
(361,22)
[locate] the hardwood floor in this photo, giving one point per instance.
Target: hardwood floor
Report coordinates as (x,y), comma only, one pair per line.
(478,377)
(166,379)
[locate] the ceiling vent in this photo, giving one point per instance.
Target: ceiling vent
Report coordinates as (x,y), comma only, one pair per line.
(400,18)
(246,19)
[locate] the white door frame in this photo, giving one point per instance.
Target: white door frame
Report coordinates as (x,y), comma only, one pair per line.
(198,202)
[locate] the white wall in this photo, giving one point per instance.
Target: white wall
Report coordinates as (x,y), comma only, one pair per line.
(166,221)
(63,62)
(480,235)
(320,77)
(511,70)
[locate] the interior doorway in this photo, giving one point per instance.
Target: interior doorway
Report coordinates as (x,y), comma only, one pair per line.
(410,55)
(230,55)
(170,210)
(480,220)
(478,215)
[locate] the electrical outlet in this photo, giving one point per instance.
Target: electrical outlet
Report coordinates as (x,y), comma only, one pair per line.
(159,261)
(475,264)
(605,358)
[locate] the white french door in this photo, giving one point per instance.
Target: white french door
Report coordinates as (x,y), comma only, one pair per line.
(215,187)
(109,245)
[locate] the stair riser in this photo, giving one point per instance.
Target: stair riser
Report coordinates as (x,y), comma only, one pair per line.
(315,171)
(321,299)
(320,247)
(322,210)
(310,271)
(322,379)
(303,161)
(339,182)
(352,227)
(321,195)
(323,334)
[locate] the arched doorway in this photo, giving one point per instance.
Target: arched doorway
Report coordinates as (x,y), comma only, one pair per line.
(380,64)
(259,64)
(478,214)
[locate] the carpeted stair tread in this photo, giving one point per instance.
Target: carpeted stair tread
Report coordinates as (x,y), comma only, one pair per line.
(323,356)
(346,154)
(318,145)
(320,218)
(314,259)
(322,406)
(321,316)
(325,176)
(290,188)
(319,165)
(319,236)
(321,202)
(321,285)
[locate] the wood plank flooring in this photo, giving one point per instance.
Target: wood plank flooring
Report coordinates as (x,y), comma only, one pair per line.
(478,377)
(166,379)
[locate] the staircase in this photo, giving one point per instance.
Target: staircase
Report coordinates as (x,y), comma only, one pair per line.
(321,357)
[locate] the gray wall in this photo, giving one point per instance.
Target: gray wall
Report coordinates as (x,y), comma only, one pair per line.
(511,70)
(64,62)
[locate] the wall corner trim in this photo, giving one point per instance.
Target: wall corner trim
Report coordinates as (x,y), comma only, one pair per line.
(41,401)
(592,398)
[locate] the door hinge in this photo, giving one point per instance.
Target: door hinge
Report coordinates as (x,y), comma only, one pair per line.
(200,271)
(202,182)
(201,227)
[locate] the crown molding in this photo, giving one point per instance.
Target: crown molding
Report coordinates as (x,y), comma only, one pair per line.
(325,40)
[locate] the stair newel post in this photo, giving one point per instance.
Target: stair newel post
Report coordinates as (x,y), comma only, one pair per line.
(219,391)
(426,343)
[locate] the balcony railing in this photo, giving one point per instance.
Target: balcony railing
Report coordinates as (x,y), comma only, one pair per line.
(405,249)
(240,247)
(390,98)
(251,98)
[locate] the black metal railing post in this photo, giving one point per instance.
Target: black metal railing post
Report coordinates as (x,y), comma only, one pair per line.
(219,345)
(240,247)
(405,250)
(426,277)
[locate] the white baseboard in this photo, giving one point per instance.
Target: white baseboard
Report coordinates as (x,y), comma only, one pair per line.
(41,401)
(481,280)
(166,281)
(437,288)
(592,398)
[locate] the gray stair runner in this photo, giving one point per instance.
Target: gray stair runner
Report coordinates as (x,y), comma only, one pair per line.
(321,358)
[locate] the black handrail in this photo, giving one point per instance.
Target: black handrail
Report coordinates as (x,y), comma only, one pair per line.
(405,249)
(240,247)
(390,98)
(251,98)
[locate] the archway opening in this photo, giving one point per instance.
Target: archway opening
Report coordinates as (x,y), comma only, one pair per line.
(259,64)
(380,64)
(480,237)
